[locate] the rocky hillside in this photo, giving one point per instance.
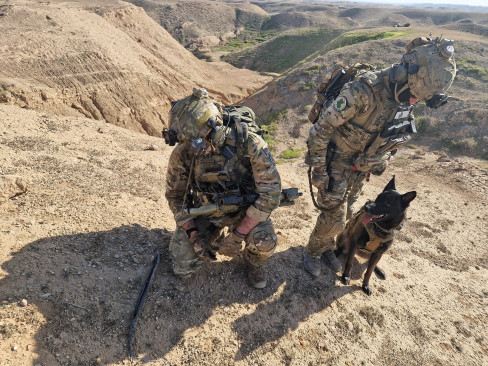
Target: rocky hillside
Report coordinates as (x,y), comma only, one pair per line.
(83,213)
(460,127)
(203,24)
(79,238)
(103,60)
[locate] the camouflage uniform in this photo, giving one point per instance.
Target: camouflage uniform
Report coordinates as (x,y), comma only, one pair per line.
(350,122)
(349,128)
(252,172)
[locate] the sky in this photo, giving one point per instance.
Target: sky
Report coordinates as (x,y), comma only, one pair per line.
(457,2)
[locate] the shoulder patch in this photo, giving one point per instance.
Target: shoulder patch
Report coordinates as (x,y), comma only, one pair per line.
(340,103)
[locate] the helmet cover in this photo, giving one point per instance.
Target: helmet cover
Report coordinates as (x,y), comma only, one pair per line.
(433,61)
(194,116)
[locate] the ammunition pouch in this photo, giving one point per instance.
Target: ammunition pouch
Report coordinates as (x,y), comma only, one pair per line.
(393,143)
(396,134)
(391,137)
(398,128)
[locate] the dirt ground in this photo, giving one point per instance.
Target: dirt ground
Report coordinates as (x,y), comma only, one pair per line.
(77,247)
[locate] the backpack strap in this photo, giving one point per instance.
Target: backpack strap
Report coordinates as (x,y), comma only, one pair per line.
(375,82)
(241,138)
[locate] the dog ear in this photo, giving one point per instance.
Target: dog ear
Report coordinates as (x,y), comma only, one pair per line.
(408,197)
(391,185)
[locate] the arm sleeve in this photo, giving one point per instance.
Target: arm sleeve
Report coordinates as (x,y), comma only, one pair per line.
(266,179)
(176,180)
(353,99)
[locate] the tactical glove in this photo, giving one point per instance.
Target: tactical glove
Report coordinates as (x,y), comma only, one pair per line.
(231,245)
(320,178)
(203,248)
(374,164)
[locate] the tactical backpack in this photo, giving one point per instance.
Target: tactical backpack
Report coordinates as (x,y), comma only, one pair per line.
(238,113)
(244,120)
(332,85)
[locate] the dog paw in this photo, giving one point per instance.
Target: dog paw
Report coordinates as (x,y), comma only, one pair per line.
(345,280)
(380,273)
(367,290)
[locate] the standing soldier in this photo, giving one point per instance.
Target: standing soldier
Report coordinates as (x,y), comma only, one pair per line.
(227,176)
(356,134)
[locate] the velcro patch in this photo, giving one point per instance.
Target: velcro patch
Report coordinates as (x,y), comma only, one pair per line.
(340,103)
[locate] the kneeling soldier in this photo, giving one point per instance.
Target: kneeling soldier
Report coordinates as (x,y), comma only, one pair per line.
(220,176)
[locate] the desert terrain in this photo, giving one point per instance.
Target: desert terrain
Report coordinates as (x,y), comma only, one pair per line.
(83,214)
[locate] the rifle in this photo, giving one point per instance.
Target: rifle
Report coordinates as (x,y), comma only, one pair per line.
(228,204)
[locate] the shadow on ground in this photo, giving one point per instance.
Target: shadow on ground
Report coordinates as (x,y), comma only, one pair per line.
(86,286)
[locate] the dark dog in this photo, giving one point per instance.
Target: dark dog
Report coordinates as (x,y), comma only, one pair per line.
(371,230)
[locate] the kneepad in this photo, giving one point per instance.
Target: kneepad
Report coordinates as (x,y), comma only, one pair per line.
(261,240)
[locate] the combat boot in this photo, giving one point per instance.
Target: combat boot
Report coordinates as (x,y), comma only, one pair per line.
(312,264)
(331,260)
(256,275)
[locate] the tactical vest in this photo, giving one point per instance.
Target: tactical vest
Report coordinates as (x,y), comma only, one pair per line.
(223,174)
(357,134)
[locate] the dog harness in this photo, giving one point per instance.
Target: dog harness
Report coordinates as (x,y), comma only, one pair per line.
(377,234)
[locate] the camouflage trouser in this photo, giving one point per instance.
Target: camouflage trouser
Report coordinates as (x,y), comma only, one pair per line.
(338,202)
(260,244)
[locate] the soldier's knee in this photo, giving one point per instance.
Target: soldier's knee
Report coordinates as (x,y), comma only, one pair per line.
(262,240)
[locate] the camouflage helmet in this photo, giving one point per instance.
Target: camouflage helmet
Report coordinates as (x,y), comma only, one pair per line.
(194,116)
(431,66)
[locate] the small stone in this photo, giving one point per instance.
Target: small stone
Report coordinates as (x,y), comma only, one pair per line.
(443,159)
(23,303)
(15,348)
(153,147)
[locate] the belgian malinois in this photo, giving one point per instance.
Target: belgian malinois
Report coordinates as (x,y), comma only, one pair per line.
(371,230)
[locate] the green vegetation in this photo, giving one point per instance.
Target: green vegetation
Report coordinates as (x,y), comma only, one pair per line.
(422,124)
(290,154)
(269,134)
(468,66)
(348,39)
(311,85)
(247,38)
(312,70)
(275,116)
(466,144)
(283,51)
(7,330)
(270,126)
